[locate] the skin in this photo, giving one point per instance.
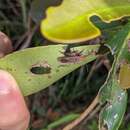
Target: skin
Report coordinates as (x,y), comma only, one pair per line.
(14,114)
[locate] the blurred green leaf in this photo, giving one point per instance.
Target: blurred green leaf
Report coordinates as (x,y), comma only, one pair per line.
(62,120)
(70,22)
(38,8)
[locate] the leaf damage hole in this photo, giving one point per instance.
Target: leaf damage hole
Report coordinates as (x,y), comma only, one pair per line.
(41,68)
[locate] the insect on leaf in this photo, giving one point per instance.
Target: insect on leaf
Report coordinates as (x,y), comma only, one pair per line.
(37,68)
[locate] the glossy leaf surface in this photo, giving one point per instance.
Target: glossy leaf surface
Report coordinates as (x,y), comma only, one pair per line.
(70,22)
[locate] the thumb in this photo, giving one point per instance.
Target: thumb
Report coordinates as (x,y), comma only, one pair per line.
(13,111)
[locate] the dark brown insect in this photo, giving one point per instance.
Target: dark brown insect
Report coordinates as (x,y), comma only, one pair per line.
(67,60)
(71,57)
(72,53)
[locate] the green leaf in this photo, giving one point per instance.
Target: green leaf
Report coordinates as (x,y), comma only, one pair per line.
(120,47)
(70,22)
(112,92)
(63,120)
(38,8)
(108,30)
(112,114)
(118,44)
(47,63)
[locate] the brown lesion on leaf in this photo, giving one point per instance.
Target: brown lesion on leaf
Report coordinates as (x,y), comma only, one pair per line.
(73,56)
(41,68)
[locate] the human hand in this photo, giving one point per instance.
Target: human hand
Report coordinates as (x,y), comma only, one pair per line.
(14,114)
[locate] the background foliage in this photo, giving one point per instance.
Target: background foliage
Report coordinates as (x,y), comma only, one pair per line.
(52,103)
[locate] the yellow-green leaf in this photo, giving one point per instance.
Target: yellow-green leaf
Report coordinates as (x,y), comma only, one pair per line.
(70,22)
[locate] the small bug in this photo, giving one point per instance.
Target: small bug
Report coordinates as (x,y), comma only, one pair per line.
(72,53)
(74,59)
(71,56)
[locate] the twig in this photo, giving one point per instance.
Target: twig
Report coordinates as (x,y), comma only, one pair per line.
(19,42)
(29,38)
(24,11)
(15,11)
(102,60)
(83,115)
(26,35)
(93,69)
(96,110)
